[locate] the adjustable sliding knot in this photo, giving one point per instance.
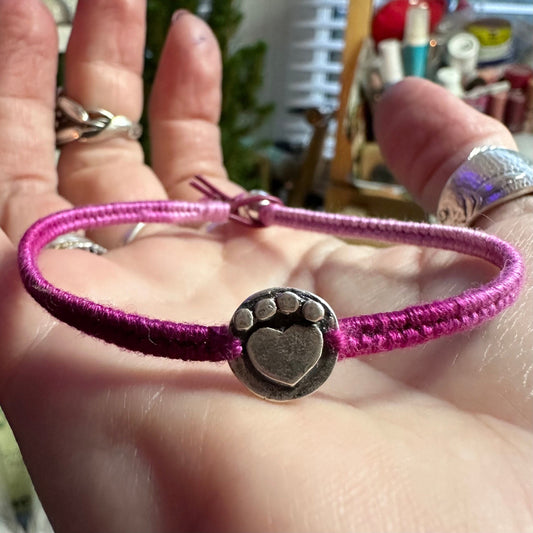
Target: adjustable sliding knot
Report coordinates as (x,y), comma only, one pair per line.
(245,208)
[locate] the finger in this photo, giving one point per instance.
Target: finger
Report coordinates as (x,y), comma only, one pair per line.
(28,181)
(103,67)
(425,133)
(185,107)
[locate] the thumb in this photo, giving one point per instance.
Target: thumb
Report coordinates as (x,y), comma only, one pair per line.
(425,133)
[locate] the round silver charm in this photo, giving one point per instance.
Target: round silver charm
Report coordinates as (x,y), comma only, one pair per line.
(282,334)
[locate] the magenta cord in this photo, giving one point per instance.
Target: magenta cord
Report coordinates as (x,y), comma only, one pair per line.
(356,336)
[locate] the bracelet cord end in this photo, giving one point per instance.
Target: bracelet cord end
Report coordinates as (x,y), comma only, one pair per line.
(245,208)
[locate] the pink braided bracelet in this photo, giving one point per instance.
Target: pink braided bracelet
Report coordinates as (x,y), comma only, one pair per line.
(282,343)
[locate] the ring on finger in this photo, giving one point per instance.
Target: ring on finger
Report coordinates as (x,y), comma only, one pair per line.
(75,123)
(132,234)
(74,241)
(489,177)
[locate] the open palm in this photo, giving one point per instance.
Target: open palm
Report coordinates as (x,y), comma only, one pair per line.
(436,438)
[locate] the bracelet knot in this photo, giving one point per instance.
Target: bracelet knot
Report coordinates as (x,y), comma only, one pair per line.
(245,208)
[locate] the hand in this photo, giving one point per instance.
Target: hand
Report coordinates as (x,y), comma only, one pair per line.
(435,438)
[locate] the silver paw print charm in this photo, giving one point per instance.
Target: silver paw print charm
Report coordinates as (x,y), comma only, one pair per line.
(282,334)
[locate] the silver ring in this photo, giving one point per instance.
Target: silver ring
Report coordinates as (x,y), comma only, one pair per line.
(133,233)
(489,177)
(73,241)
(75,123)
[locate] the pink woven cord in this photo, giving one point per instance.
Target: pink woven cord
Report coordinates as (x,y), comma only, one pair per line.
(137,333)
(356,335)
(417,324)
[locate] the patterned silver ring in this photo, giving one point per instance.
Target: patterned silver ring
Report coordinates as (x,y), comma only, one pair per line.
(73,241)
(489,177)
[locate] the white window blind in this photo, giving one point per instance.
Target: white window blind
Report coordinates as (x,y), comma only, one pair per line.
(314,65)
(503,7)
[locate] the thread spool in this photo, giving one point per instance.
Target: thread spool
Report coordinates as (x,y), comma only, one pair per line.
(463,52)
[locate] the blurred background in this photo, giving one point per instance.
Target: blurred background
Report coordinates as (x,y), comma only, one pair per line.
(301,80)
(295,69)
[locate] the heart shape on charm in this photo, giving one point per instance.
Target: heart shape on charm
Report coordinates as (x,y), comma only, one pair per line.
(285,357)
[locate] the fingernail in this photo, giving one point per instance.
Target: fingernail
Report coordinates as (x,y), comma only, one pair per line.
(178,14)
